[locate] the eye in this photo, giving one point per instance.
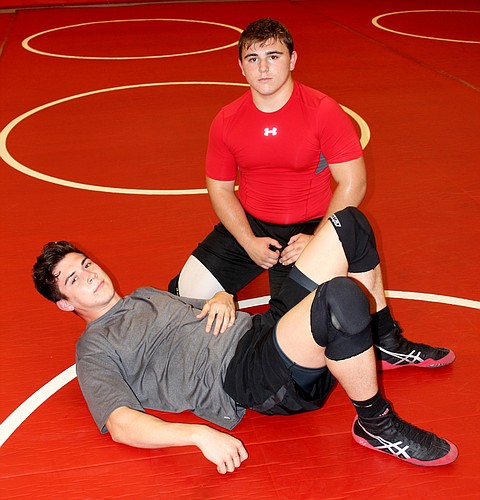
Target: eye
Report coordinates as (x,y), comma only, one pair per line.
(87,264)
(73,280)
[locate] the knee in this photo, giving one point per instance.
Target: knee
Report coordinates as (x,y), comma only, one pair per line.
(340,319)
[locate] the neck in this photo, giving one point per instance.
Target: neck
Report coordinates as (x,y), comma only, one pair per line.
(93,314)
(273,102)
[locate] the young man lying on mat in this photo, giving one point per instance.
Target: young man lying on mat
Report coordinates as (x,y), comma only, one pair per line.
(150,349)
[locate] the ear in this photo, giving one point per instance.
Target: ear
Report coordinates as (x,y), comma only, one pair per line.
(293,60)
(241,67)
(64,305)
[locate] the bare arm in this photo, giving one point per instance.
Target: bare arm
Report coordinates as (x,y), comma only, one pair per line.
(231,213)
(134,428)
(351,179)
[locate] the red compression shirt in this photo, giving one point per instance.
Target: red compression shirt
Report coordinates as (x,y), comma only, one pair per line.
(282,157)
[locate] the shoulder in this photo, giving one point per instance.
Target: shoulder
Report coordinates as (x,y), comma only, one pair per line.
(235,106)
(313,98)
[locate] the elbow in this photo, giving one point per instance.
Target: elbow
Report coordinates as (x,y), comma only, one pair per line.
(116,425)
(361,191)
(354,193)
(116,433)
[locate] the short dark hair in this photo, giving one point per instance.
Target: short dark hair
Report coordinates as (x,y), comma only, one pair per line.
(263,30)
(44,277)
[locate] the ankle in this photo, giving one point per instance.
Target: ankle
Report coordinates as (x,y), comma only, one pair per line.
(371,408)
(382,322)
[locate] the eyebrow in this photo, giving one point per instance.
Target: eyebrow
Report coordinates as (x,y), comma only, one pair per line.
(269,53)
(83,262)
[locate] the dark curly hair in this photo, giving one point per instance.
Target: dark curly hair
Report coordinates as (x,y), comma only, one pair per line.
(44,277)
(263,30)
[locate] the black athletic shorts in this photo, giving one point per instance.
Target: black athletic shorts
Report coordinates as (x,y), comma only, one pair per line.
(220,253)
(258,378)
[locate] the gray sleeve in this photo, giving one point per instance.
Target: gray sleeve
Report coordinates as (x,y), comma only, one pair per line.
(104,387)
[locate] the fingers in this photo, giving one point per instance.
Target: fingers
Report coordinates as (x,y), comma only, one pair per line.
(223,320)
(233,462)
(220,314)
(294,248)
(269,259)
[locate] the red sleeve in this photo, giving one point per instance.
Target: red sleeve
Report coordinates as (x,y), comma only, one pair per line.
(220,162)
(338,137)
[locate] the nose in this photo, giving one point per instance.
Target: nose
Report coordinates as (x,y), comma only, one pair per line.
(263,66)
(91,276)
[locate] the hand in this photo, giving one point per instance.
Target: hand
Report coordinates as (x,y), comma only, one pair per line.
(294,248)
(261,252)
(221,310)
(225,451)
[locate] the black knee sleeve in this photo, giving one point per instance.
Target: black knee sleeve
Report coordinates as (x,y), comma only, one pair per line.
(357,238)
(340,319)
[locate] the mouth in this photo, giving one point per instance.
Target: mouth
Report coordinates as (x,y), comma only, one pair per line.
(100,286)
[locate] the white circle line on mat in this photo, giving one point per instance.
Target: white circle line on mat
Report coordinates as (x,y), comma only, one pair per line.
(8,158)
(404,33)
(26,42)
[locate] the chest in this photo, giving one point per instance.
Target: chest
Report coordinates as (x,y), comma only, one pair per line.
(285,140)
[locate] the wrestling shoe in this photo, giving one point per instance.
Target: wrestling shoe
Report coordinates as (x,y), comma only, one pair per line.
(392,435)
(393,350)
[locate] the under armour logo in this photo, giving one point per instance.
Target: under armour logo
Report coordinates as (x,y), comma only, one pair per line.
(267,131)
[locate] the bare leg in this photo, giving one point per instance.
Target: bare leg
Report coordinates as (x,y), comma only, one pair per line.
(376,426)
(373,282)
(357,375)
(324,258)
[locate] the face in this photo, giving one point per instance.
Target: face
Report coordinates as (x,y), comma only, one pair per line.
(267,68)
(87,288)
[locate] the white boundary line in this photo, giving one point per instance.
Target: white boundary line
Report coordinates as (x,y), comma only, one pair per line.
(18,416)
(26,42)
(378,25)
(8,158)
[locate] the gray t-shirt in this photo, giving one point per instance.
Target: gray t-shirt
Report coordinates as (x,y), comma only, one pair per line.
(150,351)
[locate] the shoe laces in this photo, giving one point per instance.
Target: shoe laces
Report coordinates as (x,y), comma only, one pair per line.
(395,341)
(416,437)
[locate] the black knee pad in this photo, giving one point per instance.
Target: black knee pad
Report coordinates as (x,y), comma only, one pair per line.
(357,238)
(340,319)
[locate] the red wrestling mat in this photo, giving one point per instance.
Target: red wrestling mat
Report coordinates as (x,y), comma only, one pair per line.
(104,116)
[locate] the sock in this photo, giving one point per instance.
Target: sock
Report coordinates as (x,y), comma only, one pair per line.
(373,407)
(382,322)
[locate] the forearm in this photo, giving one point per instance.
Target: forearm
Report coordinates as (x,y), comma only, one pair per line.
(142,430)
(345,196)
(350,189)
(231,213)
